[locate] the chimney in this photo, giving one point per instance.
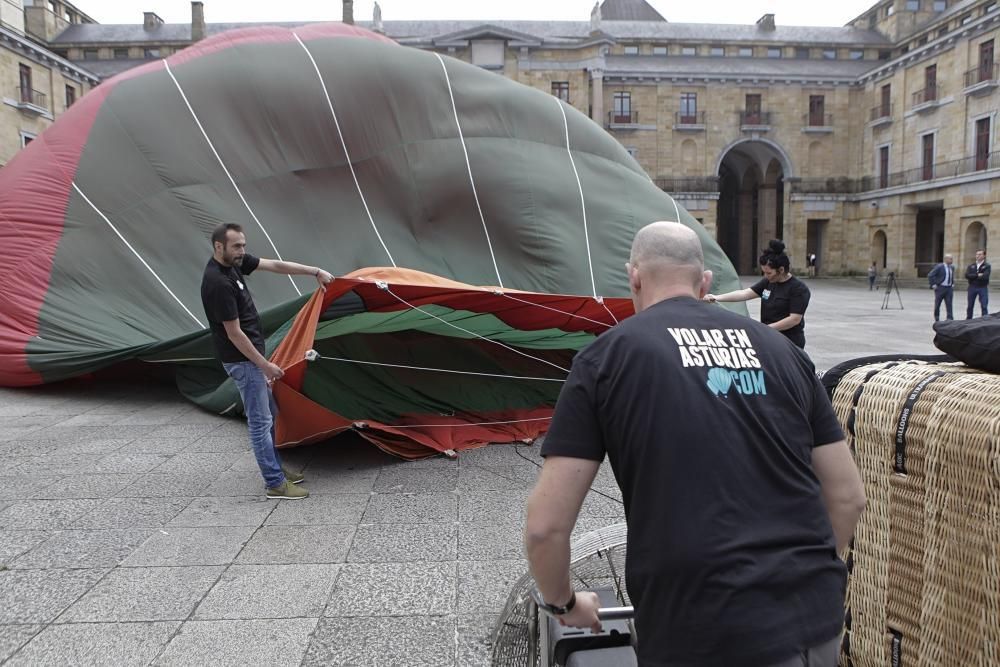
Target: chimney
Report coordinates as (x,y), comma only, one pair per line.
(349,12)
(766,22)
(150,21)
(197,20)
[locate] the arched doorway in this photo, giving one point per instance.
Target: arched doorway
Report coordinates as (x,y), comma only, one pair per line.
(975,239)
(880,249)
(751,211)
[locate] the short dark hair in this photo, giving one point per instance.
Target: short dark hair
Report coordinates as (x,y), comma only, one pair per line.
(775,256)
(219,233)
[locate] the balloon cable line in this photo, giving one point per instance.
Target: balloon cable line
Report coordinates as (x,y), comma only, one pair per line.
(579,187)
(343,144)
(439,370)
(468,166)
(556,310)
(222,164)
(385,287)
(136,253)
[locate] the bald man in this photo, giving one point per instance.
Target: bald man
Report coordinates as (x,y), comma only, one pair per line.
(739,489)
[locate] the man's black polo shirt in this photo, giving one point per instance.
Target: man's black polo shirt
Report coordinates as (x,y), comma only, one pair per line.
(226,296)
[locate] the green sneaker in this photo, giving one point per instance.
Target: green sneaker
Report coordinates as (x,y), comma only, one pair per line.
(293,477)
(287,492)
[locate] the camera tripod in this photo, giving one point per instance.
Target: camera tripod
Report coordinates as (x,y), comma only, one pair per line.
(890,287)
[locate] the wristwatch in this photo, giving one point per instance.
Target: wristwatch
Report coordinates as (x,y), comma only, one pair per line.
(553,609)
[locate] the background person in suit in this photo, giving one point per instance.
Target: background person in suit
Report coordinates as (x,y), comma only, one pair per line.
(978,275)
(942,281)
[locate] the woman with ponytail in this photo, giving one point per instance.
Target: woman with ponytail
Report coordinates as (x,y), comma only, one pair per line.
(784,298)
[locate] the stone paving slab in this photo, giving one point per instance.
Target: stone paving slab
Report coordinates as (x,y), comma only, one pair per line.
(111,644)
(274,642)
(111,488)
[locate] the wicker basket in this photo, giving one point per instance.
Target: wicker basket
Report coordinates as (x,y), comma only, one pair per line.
(925,562)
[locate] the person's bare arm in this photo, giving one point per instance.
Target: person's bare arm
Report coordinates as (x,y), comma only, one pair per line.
(729,297)
(296,269)
(239,339)
(786,322)
(552,511)
(843,491)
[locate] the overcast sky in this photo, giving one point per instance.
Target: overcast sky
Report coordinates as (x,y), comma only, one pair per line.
(788,12)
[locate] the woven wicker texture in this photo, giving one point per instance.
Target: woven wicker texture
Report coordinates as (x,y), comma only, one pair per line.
(925,564)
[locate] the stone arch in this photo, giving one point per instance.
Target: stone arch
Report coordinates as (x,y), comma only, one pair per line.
(759,146)
(815,153)
(880,248)
(975,239)
(689,156)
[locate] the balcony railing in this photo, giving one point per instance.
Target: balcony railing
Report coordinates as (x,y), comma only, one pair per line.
(691,120)
(925,96)
(881,113)
(623,118)
(817,122)
(923,174)
(31,99)
(695,184)
(984,73)
(755,118)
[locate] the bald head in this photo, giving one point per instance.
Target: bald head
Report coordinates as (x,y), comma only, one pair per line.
(668,247)
(667,261)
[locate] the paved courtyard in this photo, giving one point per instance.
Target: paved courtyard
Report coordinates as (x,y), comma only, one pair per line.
(133,529)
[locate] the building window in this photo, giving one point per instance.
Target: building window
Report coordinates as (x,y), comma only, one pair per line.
(802,53)
(930,83)
(940,5)
(990,8)
(561,90)
(857,54)
(817,111)
(890,10)
(746,52)
(883,167)
(884,54)
(922,40)
(90,54)
(70,95)
(913,5)
(752,111)
(689,50)
(927,155)
(121,54)
(659,50)
(485,53)
(872,20)
(631,50)
(942,32)
(982,144)
(633,151)
(718,51)
(965,19)
(621,107)
(26,138)
(829,54)
(24,74)
(986,61)
(52,7)
(886,101)
(774,52)
(689,109)
(155,53)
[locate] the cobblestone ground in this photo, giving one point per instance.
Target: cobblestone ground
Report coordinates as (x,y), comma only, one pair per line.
(133,528)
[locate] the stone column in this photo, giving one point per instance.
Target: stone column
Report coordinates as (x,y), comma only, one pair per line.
(747,264)
(597,96)
(767,216)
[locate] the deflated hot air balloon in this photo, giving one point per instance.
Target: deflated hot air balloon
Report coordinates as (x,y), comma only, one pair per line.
(336,147)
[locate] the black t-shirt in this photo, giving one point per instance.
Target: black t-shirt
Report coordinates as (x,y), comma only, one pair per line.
(709,420)
(779,300)
(226,296)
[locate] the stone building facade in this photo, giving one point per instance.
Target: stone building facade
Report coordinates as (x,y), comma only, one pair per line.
(36,84)
(876,141)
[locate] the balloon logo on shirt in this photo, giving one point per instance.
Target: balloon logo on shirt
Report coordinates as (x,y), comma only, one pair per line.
(719,381)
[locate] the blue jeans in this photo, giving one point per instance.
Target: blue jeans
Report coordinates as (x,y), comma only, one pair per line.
(260,408)
(943,294)
(984,300)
